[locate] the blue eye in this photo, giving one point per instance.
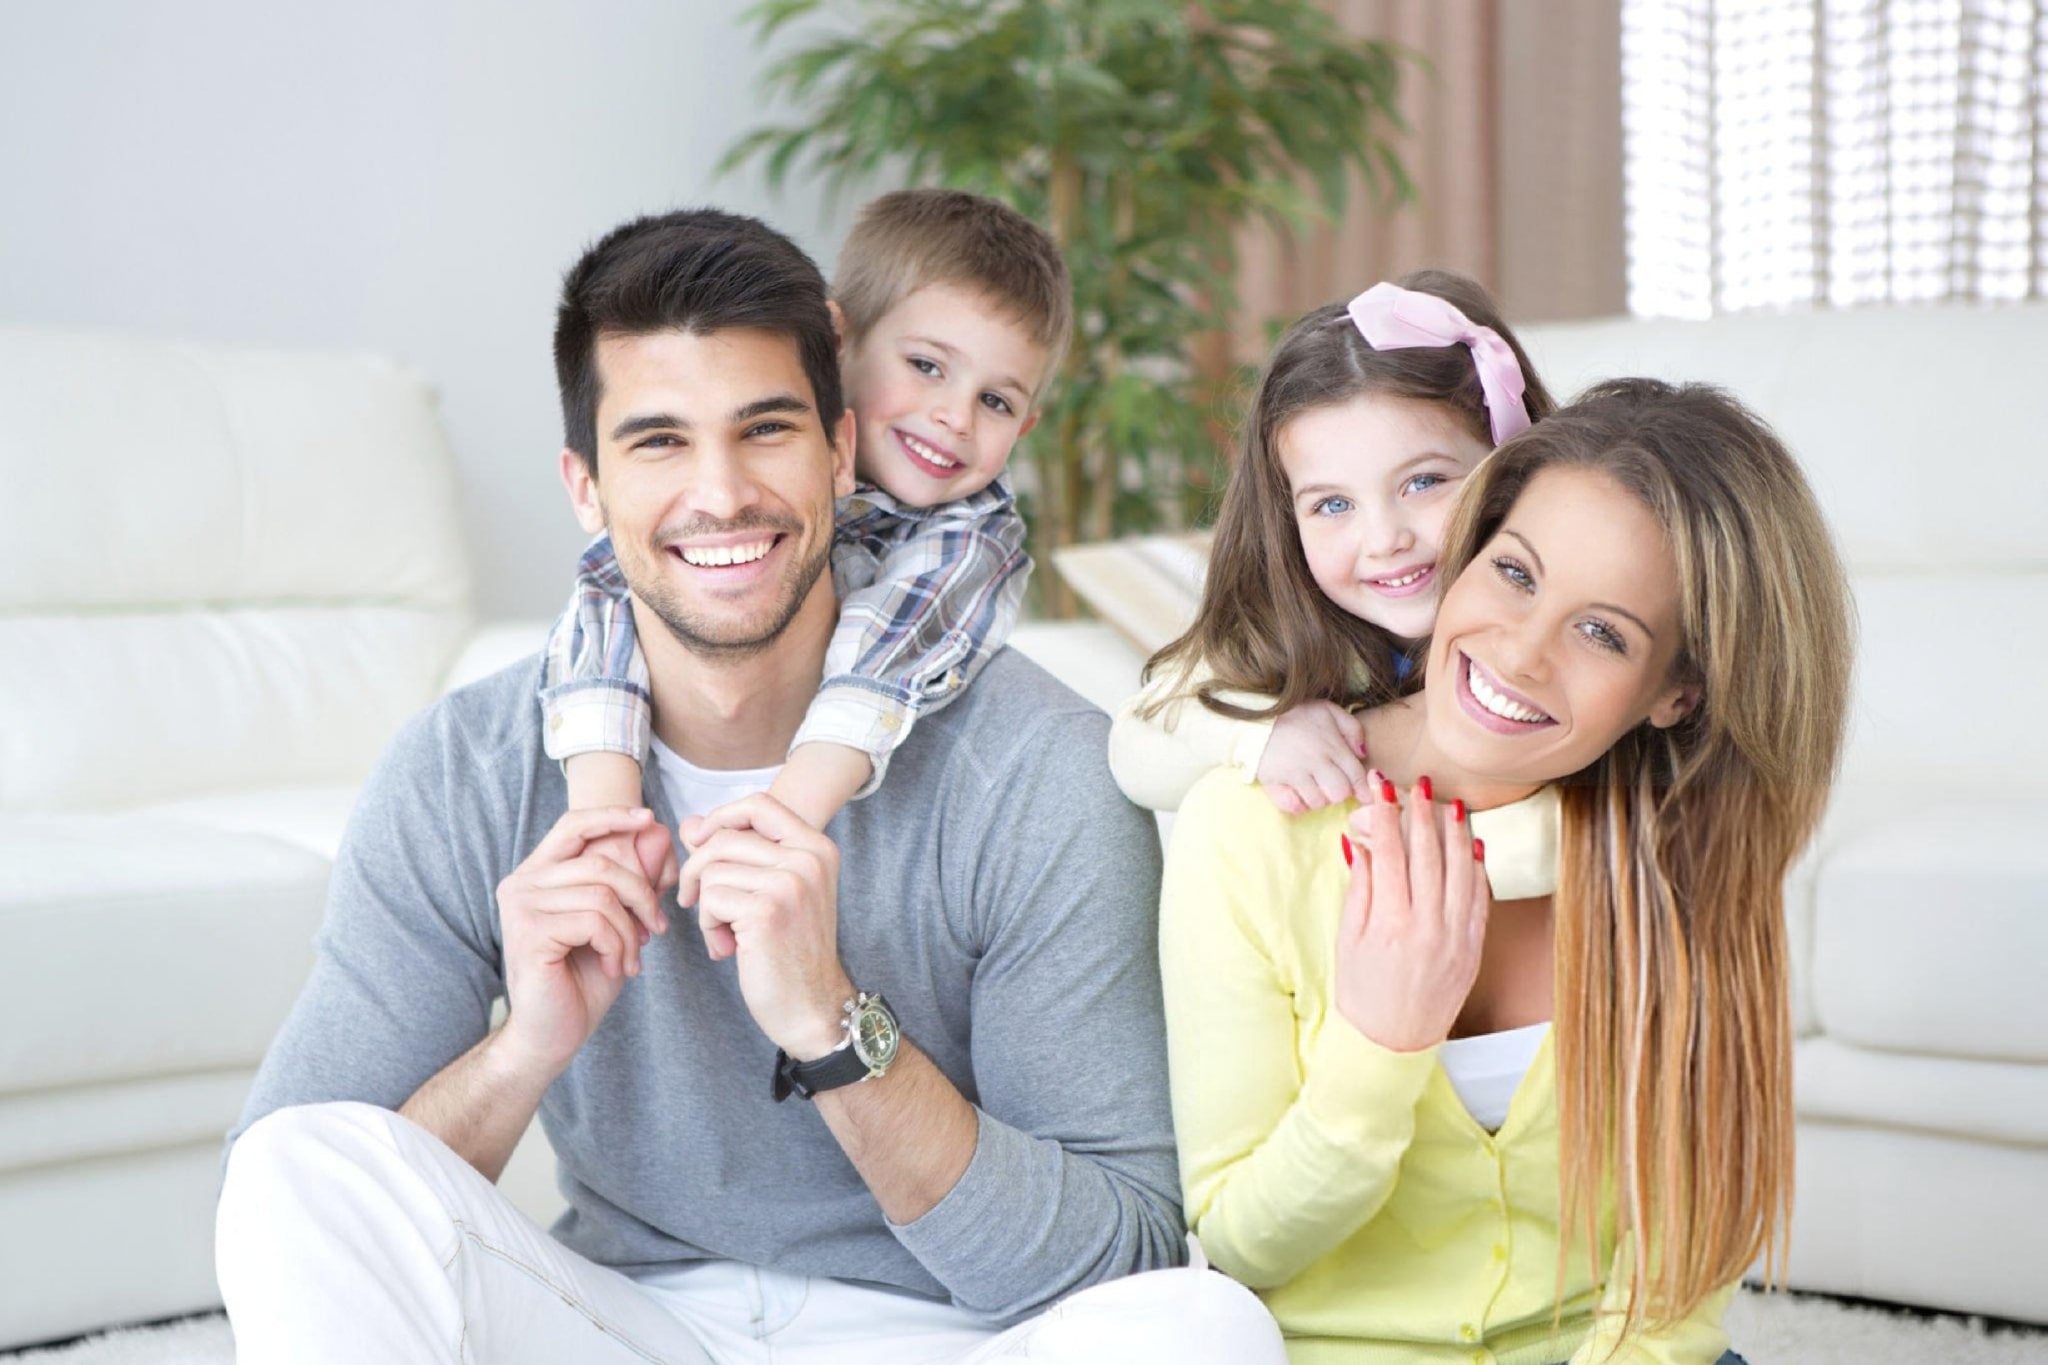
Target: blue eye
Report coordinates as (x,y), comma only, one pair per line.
(1604,635)
(1514,574)
(1334,505)
(1422,483)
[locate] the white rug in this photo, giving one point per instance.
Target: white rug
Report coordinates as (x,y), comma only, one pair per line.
(1774,1330)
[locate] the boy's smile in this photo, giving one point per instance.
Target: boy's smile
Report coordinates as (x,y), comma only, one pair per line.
(943,385)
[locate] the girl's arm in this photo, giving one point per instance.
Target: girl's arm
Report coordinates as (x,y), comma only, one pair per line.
(1156,758)
(1289,1141)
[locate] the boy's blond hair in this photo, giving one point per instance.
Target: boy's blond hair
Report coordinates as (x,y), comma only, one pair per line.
(908,239)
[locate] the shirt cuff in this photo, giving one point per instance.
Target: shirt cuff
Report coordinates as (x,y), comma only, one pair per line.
(596,716)
(859,716)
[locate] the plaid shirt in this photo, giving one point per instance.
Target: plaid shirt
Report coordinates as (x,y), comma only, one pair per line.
(927,595)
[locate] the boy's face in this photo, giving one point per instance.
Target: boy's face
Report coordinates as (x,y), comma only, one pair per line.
(942,385)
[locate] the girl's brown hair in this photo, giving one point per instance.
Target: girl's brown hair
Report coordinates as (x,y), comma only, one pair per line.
(1263,625)
(1673,1028)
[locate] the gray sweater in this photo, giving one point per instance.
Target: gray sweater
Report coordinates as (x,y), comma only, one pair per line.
(997,888)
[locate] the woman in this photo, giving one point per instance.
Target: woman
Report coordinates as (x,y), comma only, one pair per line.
(1646,637)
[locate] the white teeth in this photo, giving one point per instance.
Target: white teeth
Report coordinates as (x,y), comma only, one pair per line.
(1405,581)
(923,451)
(710,556)
(1498,704)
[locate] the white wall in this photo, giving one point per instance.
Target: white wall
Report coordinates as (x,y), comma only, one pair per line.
(410,178)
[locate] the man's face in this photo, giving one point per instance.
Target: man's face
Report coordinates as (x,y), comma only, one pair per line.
(716,480)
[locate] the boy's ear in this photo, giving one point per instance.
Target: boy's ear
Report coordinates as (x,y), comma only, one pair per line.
(838,322)
(582,485)
(1030,422)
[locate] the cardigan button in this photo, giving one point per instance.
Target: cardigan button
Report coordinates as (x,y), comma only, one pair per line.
(1469,1332)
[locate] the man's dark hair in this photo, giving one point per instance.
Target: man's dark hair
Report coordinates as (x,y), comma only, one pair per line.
(696,271)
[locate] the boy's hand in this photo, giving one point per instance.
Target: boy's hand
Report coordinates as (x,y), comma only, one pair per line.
(604,779)
(1314,758)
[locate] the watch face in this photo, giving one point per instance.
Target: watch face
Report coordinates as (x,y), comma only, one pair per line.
(874,1035)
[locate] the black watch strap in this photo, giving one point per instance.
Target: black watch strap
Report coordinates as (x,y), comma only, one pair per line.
(840,1067)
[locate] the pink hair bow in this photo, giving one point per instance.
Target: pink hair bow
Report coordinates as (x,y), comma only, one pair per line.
(1392,319)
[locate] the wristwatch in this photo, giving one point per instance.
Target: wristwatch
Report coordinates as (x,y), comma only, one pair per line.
(869,1047)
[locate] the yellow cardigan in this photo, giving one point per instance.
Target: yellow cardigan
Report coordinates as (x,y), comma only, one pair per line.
(1345,1182)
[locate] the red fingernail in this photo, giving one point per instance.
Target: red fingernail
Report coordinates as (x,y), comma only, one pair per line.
(1457,812)
(1428,793)
(1479,849)
(1345,839)
(1386,791)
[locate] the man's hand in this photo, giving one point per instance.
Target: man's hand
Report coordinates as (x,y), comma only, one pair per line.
(574,922)
(766,888)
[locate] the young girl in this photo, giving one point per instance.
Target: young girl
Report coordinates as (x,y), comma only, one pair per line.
(1381,1129)
(1323,574)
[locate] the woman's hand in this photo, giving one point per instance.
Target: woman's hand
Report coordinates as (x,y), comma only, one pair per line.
(1314,758)
(1414,920)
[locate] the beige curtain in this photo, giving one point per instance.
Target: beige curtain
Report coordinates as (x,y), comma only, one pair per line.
(1514,144)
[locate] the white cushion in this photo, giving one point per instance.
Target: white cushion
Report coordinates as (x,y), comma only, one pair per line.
(1984,1101)
(155,473)
(1947,670)
(1920,428)
(1917,1218)
(127,709)
(87,1122)
(1928,931)
(141,946)
(311,818)
(225,567)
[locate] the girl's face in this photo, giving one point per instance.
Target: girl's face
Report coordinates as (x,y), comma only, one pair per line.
(1560,635)
(1373,481)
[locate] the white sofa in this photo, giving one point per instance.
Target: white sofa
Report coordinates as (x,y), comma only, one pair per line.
(228,575)
(225,577)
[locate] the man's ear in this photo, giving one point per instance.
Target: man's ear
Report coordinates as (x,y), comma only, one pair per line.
(581,482)
(842,453)
(1675,705)
(838,324)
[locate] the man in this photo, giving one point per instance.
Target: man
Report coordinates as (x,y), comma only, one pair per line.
(762,1160)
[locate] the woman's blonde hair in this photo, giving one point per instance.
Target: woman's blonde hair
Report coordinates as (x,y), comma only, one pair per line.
(1674,1035)
(1263,625)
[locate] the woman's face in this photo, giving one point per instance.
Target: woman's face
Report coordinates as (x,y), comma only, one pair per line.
(1373,481)
(1559,636)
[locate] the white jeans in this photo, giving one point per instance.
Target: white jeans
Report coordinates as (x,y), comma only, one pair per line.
(347,1233)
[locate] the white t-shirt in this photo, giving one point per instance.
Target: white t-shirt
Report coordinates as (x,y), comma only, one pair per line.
(699,791)
(1487,1069)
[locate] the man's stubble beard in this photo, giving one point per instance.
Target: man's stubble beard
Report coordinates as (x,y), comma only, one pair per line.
(696,637)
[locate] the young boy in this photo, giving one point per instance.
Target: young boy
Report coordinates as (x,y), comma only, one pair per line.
(953,312)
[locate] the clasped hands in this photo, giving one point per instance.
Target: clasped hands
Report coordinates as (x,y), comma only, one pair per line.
(577,912)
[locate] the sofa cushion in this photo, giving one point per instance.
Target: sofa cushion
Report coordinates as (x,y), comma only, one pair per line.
(311,818)
(142,945)
(90,1122)
(1983,1101)
(226,567)
(1929,935)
